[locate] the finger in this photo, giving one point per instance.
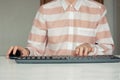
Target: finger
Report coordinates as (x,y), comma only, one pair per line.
(86,50)
(9,51)
(15,49)
(11,48)
(81,50)
(77,51)
(90,49)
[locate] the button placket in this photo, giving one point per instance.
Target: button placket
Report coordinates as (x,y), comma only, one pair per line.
(70,29)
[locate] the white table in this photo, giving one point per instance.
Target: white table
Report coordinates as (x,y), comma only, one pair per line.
(9,70)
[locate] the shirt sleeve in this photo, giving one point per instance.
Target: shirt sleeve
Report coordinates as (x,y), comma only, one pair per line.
(38,35)
(104,42)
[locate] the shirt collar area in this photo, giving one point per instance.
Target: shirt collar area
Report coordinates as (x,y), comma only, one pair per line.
(76,6)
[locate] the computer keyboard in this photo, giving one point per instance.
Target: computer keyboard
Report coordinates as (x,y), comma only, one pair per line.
(67,59)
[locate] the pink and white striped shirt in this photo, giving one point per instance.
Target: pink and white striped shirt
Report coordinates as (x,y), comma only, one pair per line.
(59,27)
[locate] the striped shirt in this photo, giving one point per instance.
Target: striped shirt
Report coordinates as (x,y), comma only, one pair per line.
(59,27)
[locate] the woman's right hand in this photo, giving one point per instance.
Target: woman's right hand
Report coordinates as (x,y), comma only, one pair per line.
(23,51)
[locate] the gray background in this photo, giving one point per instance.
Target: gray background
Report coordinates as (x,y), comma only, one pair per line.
(16,18)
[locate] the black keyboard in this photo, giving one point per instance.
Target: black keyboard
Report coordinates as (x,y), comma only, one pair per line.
(67,59)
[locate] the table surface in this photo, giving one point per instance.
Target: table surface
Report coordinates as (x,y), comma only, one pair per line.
(10,70)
